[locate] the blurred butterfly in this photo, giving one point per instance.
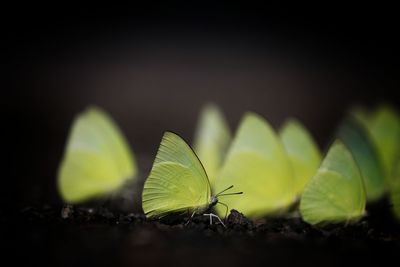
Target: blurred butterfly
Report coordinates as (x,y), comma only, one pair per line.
(356,138)
(178,183)
(383,126)
(97,160)
(395,191)
(212,140)
(336,193)
(257,164)
(302,151)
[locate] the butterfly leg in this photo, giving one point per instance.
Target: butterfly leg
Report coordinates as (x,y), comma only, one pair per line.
(190,218)
(219,219)
(208,214)
(215,216)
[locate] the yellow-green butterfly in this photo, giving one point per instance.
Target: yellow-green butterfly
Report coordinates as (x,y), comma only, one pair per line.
(302,151)
(257,164)
(212,139)
(178,183)
(383,125)
(355,137)
(336,193)
(97,160)
(395,191)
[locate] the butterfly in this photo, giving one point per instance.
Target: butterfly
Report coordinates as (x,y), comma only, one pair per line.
(395,191)
(356,138)
(302,151)
(336,192)
(212,139)
(383,126)
(178,183)
(97,159)
(257,163)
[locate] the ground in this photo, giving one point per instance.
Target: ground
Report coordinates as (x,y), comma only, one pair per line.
(77,236)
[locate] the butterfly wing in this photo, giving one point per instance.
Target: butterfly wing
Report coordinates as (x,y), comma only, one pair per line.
(177,181)
(383,125)
(97,159)
(355,137)
(385,131)
(257,164)
(395,191)
(302,151)
(336,193)
(361,115)
(212,139)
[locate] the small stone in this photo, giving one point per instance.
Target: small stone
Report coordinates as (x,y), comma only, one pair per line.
(67,211)
(237,218)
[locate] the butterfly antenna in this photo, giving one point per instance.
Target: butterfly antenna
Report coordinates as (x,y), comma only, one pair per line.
(226,189)
(227,194)
(230,194)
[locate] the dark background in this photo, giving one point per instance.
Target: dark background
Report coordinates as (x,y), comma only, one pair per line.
(153,68)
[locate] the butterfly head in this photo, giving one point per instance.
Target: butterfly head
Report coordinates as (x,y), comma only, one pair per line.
(213,201)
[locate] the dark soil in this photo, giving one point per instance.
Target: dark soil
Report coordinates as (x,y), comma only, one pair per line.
(72,236)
